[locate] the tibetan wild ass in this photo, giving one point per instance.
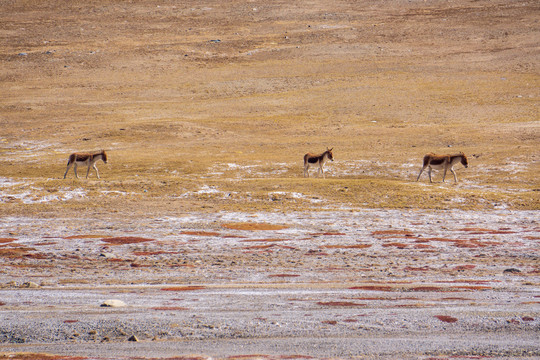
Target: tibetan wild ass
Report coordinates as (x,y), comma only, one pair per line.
(83,159)
(317,160)
(445,162)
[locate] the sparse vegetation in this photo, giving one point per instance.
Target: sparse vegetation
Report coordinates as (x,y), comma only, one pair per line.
(177,111)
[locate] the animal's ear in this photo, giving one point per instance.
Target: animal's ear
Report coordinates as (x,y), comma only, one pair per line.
(331,149)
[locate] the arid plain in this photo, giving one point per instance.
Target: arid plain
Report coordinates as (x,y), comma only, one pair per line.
(202,223)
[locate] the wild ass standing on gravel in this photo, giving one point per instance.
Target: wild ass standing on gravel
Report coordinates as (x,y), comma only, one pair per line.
(312,159)
(85,159)
(444,162)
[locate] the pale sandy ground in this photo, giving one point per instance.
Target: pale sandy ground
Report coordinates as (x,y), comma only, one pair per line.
(357,284)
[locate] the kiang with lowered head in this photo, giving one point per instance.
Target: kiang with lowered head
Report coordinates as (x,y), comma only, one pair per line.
(84,159)
(317,160)
(444,162)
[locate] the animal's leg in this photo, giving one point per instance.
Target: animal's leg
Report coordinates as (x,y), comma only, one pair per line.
(75,170)
(421,170)
(68,167)
(306,168)
(429,173)
(88,170)
(454,173)
(322,171)
(444,174)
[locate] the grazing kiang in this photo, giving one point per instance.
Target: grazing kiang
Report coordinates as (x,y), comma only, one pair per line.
(317,160)
(444,162)
(85,159)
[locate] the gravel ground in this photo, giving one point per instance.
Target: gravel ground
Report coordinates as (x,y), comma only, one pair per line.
(303,284)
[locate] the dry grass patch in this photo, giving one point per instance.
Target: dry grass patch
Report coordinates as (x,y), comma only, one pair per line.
(38,356)
(123,240)
(240,113)
(254,226)
(184,288)
(355,246)
(77,237)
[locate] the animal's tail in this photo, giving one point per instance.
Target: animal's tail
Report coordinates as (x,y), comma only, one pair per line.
(426,160)
(71,159)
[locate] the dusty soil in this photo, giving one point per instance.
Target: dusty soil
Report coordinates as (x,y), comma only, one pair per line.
(202,223)
(368,283)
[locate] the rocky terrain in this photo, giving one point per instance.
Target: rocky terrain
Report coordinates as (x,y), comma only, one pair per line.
(304,284)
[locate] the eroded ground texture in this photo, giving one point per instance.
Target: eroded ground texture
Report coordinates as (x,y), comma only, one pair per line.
(370,283)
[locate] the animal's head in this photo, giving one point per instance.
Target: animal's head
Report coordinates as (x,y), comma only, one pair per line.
(464,160)
(104,156)
(330,155)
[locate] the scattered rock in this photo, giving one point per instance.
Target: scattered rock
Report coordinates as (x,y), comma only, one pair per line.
(511,271)
(330,322)
(447,319)
(113,303)
(133,338)
(30,285)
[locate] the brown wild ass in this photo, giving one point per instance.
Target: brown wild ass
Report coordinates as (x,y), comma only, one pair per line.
(312,159)
(85,159)
(445,162)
